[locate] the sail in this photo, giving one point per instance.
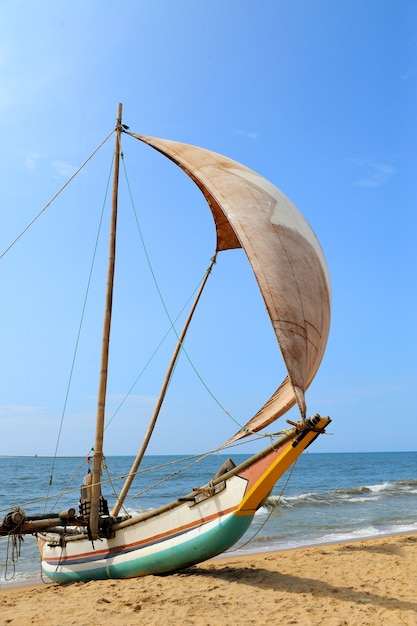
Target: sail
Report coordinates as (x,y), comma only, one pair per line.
(289,265)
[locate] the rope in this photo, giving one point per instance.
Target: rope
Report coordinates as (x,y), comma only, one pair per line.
(78,334)
(14,537)
(65,489)
(110,480)
(60,494)
(196,459)
(16,541)
(55,196)
(171,321)
(192,458)
(47,205)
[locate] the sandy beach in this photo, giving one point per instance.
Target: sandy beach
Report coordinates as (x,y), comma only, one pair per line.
(367,582)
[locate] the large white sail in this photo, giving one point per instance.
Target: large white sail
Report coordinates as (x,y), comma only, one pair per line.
(286,258)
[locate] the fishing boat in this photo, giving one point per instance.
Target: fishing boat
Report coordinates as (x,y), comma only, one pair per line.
(91,541)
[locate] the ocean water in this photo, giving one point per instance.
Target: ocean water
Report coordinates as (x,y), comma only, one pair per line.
(325,498)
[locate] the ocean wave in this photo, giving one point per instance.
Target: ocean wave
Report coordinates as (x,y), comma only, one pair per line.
(360,494)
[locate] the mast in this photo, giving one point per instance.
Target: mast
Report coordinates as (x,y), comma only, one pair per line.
(101,400)
(125,489)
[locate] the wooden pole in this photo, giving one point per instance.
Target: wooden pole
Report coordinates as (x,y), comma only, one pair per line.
(141,453)
(101,401)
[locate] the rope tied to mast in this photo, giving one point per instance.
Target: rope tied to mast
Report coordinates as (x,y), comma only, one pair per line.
(48,204)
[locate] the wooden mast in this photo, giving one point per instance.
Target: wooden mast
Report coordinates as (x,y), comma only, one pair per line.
(101,401)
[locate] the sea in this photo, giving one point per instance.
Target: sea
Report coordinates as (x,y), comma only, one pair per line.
(324,498)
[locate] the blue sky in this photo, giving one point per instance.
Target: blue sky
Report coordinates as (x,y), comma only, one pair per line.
(319,97)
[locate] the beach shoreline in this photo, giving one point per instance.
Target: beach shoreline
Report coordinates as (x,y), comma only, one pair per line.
(366,581)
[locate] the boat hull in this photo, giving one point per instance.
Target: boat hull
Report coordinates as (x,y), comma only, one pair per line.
(181,534)
(132,560)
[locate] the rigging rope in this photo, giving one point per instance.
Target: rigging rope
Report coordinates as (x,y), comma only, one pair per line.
(55,196)
(13,554)
(170,319)
(12,244)
(79,333)
(189,460)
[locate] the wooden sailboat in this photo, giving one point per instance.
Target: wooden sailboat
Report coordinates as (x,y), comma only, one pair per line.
(289,266)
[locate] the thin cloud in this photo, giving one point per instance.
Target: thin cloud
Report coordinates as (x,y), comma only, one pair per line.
(32,161)
(63,169)
(372,173)
(408,75)
(248,134)
(9,410)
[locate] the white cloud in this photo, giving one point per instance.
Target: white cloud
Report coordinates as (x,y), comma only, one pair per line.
(8,410)
(372,174)
(63,169)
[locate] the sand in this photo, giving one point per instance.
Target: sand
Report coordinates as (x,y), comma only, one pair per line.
(370,582)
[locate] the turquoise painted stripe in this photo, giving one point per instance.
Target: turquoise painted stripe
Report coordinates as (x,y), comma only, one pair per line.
(208,544)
